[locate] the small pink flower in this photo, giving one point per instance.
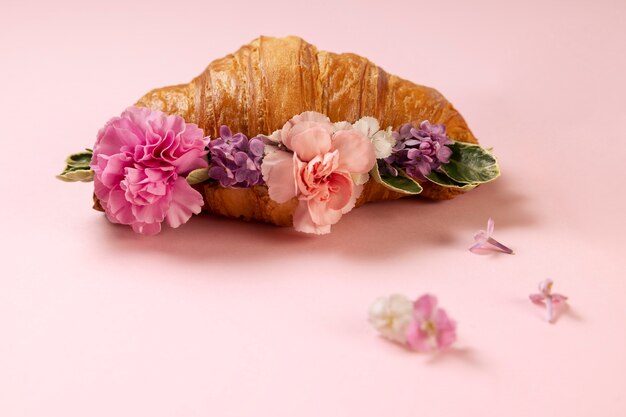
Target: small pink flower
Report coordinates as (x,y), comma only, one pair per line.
(318,171)
(140,161)
(431,328)
(484,241)
(546,297)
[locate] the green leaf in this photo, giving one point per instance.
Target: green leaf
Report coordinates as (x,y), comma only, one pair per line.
(82,175)
(401,184)
(77,167)
(198,176)
(471,164)
(443,180)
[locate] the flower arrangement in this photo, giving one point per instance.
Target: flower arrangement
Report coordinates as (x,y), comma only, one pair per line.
(147,167)
(146,163)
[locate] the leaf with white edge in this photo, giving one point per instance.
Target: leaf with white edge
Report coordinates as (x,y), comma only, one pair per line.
(82,175)
(80,160)
(471,164)
(401,183)
(444,181)
(198,176)
(77,167)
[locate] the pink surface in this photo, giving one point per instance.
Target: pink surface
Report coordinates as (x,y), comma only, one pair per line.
(224,318)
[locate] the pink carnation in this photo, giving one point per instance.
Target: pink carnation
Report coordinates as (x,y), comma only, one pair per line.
(318,171)
(140,161)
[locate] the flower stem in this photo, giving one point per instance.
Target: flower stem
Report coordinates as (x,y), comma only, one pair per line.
(550,307)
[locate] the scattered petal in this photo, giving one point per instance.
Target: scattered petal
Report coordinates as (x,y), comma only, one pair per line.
(484,243)
(547,298)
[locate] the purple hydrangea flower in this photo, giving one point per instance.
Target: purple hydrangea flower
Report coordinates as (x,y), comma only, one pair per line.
(236,160)
(418,150)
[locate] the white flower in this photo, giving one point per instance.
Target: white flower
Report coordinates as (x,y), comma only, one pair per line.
(367,125)
(275,136)
(383,140)
(342,126)
(273,143)
(391,316)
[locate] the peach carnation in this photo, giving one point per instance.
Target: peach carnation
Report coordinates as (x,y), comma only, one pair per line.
(317,165)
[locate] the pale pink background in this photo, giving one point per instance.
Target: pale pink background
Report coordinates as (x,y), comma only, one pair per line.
(222,318)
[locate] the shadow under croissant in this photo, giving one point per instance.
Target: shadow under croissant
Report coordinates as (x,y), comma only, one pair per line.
(387,229)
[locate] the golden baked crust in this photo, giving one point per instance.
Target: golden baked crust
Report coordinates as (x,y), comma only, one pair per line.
(265,83)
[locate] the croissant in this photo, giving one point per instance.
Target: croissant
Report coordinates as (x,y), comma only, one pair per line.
(262,85)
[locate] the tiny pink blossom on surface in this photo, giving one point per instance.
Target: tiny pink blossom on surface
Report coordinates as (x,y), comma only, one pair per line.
(552,301)
(431,327)
(140,161)
(419,325)
(318,168)
(484,242)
